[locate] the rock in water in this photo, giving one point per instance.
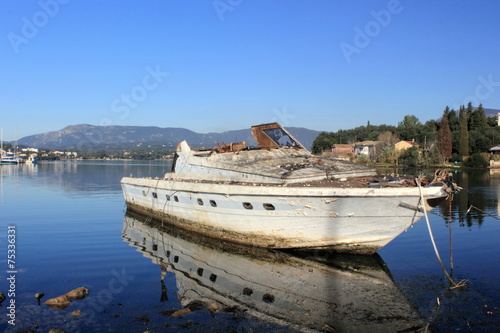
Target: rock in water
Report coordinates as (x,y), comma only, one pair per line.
(76,313)
(78,293)
(2,298)
(59,303)
(180,312)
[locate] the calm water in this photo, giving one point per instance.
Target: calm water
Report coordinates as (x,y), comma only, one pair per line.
(71,231)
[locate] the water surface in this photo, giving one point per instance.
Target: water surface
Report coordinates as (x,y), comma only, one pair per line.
(71,230)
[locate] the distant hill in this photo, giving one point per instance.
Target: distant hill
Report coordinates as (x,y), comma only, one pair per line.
(491,112)
(90,137)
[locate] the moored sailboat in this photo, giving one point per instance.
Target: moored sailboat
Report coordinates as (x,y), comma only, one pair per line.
(7,157)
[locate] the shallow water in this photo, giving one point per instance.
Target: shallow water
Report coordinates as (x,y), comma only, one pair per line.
(71,230)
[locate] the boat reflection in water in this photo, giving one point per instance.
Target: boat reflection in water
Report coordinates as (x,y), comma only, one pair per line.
(304,292)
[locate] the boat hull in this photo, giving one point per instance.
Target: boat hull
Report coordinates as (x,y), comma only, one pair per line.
(9,162)
(353,220)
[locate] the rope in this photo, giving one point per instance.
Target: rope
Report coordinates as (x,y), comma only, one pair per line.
(450,232)
(482,211)
(432,237)
(476,208)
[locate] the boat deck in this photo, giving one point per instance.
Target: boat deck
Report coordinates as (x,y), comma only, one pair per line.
(351,182)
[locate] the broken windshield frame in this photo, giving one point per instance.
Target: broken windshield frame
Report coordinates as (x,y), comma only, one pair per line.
(280,137)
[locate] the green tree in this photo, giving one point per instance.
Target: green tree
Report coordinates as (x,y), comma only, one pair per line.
(495,135)
(410,157)
(476,160)
(409,128)
(444,139)
(478,120)
(428,133)
(479,141)
(452,117)
(323,142)
(7,146)
(388,155)
(463,144)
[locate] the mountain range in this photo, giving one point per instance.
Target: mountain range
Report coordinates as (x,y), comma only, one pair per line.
(490,113)
(91,137)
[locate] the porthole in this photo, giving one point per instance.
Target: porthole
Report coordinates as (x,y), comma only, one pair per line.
(155,247)
(176,198)
(268,206)
(144,192)
(200,271)
(213,203)
(268,298)
(247,291)
(176,259)
(200,202)
(155,195)
(168,197)
(247,205)
(213,277)
(168,254)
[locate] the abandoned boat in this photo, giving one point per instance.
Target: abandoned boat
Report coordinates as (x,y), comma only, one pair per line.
(279,195)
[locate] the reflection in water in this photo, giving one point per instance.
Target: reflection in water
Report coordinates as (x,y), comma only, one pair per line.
(83,176)
(481,190)
(495,184)
(8,170)
(326,293)
(477,199)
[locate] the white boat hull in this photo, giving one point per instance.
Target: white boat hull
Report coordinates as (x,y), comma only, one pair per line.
(352,220)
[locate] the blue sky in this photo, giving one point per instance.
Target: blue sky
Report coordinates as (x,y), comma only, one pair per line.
(217,65)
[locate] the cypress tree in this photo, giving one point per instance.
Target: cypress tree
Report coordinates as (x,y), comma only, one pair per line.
(444,139)
(453,121)
(463,144)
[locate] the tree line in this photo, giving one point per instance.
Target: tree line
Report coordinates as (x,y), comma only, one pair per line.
(135,154)
(464,135)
